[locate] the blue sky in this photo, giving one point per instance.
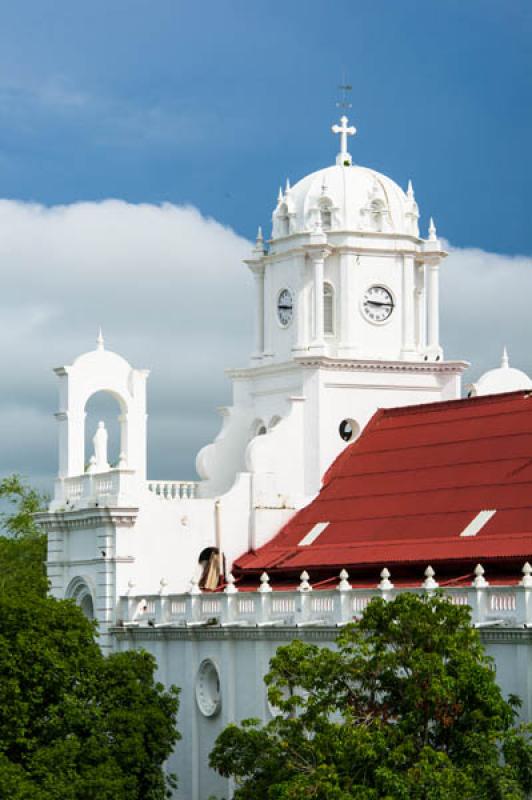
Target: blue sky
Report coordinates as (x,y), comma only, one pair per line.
(214,103)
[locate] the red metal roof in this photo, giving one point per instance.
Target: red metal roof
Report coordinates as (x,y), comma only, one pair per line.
(402,494)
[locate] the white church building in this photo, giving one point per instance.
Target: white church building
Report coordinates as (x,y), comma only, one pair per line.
(348,466)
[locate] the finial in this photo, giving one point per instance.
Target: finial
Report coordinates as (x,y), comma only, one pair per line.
(287,187)
(130,586)
(259,243)
(264,583)
(385,585)
(163,583)
(505,361)
(280,196)
(324,185)
(99,340)
(344,158)
(194,586)
(526,580)
(432,231)
(230,587)
(429,582)
(344,585)
(410,191)
(304,586)
(480,581)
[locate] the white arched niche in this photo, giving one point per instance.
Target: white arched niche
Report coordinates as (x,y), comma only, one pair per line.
(79,591)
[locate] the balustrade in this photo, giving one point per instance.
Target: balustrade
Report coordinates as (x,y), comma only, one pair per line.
(174,490)
(501,605)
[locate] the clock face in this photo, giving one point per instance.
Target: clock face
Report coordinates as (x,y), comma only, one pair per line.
(377,304)
(285,307)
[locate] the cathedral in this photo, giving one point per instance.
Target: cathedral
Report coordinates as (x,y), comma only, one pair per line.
(349,465)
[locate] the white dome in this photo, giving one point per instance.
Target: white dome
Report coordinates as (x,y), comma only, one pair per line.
(501,380)
(346,198)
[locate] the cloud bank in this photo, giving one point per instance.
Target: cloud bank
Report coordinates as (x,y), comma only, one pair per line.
(171,293)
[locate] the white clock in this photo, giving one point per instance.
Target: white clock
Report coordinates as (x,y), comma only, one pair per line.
(285,307)
(377,304)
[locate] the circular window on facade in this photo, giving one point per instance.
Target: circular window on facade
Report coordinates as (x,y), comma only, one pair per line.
(208,695)
(348,430)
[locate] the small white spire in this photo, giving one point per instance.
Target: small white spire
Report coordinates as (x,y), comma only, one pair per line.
(259,243)
(410,191)
(163,583)
(432,231)
(526,580)
(505,361)
(287,186)
(230,588)
(304,586)
(344,585)
(264,583)
(385,585)
(429,582)
(99,340)
(194,586)
(344,158)
(324,185)
(480,581)
(280,196)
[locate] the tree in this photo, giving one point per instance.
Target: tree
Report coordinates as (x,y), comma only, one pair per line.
(74,725)
(23,549)
(405,708)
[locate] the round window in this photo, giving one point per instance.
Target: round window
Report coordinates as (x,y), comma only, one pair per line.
(348,429)
(208,689)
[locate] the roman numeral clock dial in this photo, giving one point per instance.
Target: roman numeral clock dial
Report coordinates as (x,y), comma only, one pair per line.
(377,304)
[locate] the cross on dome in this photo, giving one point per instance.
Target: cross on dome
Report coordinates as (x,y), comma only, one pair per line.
(344,130)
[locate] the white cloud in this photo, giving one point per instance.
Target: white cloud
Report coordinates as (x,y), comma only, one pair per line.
(171,293)
(169,288)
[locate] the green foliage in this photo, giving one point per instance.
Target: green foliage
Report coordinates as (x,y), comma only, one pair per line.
(74,725)
(26,501)
(23,549)
(405,708)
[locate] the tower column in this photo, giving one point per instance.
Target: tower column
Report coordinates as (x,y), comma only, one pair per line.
(301,307)
(433,286)
(420,306)
(407,345)
(317,252)
(318,261)
(258,273)
(346,324)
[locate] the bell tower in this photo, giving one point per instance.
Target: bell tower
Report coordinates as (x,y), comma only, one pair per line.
(347,321)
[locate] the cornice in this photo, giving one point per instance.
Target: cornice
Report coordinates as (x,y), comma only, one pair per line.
(84,518)
(237,633)
(325,633)
(83,562)
(350,365)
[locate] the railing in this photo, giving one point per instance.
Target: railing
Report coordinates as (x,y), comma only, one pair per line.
(114,487)
(174,490)
(510,605)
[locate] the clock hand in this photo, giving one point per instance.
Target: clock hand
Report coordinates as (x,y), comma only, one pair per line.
(376,303)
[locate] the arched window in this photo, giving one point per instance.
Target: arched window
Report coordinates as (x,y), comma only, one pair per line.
(326,215)
(79,591)
(328,310)
(378,214)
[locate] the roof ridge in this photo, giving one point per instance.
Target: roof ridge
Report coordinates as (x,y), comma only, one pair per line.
(438,405)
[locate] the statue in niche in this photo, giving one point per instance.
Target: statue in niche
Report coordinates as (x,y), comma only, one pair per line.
(98,462)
